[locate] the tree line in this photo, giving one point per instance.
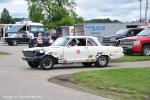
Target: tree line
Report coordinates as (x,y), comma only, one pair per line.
(6,18)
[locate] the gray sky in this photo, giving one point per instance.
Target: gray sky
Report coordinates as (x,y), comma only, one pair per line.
(124,10)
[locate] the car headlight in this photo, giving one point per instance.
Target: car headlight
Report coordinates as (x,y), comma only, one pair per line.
(113,39)
(136,42)
(40,52)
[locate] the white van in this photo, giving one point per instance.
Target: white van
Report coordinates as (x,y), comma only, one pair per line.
(18,33)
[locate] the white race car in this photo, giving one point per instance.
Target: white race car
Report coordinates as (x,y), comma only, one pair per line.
(72,49)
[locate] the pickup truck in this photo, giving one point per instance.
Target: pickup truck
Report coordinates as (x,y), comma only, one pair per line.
(137,44)
(72,49)
(123,33)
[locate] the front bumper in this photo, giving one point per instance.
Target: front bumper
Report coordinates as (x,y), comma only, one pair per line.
(31,59)
(134,49)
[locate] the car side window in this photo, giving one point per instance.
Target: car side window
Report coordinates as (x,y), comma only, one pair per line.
(90,42)
(72,43)
(81,42)
(77,42)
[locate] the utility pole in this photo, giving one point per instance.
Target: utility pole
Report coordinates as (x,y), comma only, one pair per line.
(140,10)
(146,10)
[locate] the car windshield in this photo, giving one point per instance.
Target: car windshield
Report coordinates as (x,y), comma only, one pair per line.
(145,32)
(37,29)
(43,34)
(15,28)
(122,32)
(62,41)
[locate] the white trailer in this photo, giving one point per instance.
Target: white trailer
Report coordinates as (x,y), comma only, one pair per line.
(67,30)
(100,29)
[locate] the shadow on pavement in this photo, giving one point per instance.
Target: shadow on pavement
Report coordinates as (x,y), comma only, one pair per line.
(71,67)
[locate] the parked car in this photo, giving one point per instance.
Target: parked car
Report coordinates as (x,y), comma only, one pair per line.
(87,51)
(129,32)
(137,44)
(43,39)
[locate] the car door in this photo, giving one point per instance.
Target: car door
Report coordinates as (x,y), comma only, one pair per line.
(76,53)
(93,48)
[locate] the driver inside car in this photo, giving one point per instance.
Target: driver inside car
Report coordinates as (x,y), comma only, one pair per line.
(73,43)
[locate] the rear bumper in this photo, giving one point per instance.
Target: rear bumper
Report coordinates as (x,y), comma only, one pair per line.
(116,56)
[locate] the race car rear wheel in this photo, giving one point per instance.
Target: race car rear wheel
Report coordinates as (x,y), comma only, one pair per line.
(47,63)
(102,61)
(33,64)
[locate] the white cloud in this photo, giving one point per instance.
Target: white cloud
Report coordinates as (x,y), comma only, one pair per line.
(16,8)
(124,10)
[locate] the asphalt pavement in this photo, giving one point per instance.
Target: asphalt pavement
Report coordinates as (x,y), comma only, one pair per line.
(19,82)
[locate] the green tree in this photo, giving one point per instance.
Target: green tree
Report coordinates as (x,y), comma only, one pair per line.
(5,17)
(53,13)
(35,13)
(80,20)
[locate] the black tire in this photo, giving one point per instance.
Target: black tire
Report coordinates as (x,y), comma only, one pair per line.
(117,43)
(86,64)
(10,43)
(128,53)
(102,61)
(146,50)
(33,64)
(47,63)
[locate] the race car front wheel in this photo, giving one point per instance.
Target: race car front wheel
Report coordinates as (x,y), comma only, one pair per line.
(47,63)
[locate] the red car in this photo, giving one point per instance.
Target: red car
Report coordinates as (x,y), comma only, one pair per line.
(137,44)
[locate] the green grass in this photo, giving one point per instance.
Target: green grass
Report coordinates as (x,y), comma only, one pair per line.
(3,53)
(132,58)
(133,81)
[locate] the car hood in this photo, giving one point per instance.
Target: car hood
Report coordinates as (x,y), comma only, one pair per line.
(138,38)
(49,48)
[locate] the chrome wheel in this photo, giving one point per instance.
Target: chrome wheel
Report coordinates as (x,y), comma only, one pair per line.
(146,50)
(47,63)
(102,61)
(14,43)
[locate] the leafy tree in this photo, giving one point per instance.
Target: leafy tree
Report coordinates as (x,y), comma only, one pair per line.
(35,13)
(80,20)
(53,13)
(5,17)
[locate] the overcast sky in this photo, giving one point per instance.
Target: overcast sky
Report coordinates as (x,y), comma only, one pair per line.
(124,10)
